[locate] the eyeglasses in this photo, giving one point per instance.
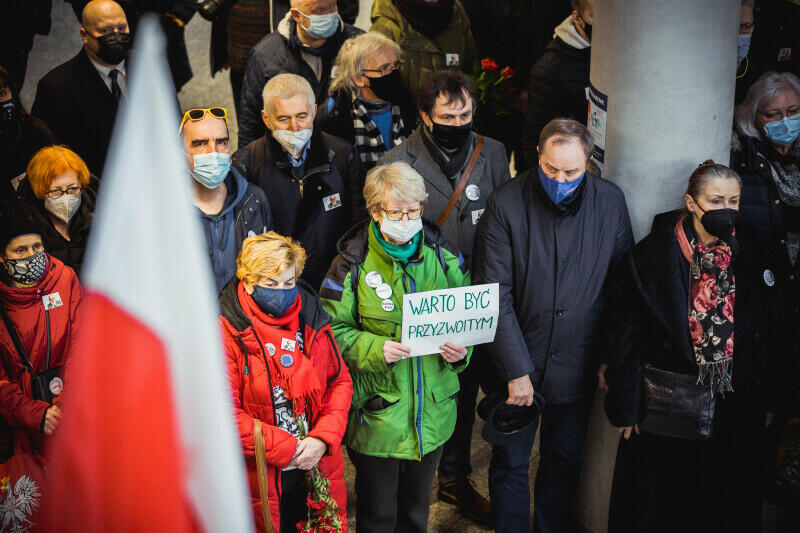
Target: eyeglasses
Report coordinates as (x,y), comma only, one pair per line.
(58,193)
(385,70)
(397,214)
(779,114)
(198,113)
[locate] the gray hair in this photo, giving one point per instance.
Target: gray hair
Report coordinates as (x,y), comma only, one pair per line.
(565,130)
(350,61)
(761,93)
(397,181)
(286,86)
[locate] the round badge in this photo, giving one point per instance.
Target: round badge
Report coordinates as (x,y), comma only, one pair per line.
(56,386)
(383,291)
(287,360)
(473,192)
(769,278)
(270,348)
(373,279)
(387,305)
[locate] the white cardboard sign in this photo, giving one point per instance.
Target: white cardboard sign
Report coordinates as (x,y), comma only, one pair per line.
(464,315)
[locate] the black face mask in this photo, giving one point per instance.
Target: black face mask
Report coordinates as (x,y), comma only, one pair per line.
(114,47)
(720,223)
(587,29)
(10,125)
(389,87)
(451,137)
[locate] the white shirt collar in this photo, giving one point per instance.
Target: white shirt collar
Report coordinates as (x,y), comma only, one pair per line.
(104,70)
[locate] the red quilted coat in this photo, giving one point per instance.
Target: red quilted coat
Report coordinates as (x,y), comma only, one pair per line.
(27,312)
(320,363)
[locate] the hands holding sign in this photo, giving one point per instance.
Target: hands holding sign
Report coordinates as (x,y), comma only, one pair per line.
(394,351)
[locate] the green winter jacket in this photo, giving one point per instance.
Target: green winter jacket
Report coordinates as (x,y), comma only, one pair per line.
(424,56)
(420,390)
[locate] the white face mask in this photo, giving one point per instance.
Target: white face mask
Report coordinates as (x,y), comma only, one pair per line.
(63,207)
(293,141)
(401,231)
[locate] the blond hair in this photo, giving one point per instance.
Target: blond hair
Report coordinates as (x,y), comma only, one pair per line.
(350,61)
(397,182)
(267,255)
(286,86)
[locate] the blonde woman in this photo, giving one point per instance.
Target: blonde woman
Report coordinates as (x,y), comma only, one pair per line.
(285,371)
(369,106)
(404,408)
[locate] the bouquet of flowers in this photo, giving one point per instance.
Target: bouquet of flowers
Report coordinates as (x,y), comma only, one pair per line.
(494,87)
(324,514)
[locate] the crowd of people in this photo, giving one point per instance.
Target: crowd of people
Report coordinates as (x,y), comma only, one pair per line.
(361,176)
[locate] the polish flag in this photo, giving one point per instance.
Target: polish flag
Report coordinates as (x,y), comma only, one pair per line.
(147,440)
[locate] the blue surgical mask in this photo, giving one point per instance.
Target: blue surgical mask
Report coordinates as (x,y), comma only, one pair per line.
(744,46)
(558,190)
(783,132)
(274,302)
(322,26)
(211,169)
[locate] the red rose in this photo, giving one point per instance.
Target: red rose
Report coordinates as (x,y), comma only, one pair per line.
(695,330)
(704,293)
(317,504)
(488,64)
(727,308)
(729,348)
(722,260)
(507,72)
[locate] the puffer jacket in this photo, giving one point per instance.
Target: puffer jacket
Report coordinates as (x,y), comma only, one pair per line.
(38,329)
(424,56)
(275,54)
(361,327)
(252,394)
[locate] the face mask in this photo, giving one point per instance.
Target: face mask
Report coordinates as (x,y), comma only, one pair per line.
(587,29)
(322,26)
(292,141)
(9,122)
(28,270)
(211,169)
(451,137)
(274,302)
(720,223)
(63,207)
(783,132)
(744,46)
(401,231)
(388,88)
(558,190)
(114,47)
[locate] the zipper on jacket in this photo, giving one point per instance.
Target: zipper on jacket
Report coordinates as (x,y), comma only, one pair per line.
(272,402)
(553,309)
(410,286)
(301,181)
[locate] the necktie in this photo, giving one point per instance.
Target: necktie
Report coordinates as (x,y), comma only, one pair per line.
(115,88)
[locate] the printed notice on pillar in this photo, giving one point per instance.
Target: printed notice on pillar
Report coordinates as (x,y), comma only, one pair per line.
(465,316)
(598,113)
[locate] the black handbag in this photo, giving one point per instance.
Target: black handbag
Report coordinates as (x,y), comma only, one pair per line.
(45,385)
(675,405)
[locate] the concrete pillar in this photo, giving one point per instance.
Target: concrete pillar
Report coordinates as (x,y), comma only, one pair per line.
(668,70)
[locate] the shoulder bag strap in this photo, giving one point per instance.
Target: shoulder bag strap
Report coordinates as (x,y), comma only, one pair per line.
(263,476)
(15,339)
(462,182)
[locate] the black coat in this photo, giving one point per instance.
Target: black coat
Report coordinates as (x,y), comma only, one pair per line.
(662,484)
(273,55)
(551,265)
(71,251)
(339,120)
(332,167)
(556,89)
(78,106)
(15,156)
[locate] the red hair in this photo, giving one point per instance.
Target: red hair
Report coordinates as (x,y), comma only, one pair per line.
(51,162)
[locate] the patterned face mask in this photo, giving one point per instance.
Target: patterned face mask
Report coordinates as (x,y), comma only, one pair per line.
(27,270)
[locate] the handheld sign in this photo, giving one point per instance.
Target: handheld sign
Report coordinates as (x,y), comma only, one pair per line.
(464,315)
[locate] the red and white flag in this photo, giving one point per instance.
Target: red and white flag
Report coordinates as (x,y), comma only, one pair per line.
(147,440)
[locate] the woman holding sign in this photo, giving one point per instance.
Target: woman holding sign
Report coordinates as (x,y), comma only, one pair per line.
(404,406)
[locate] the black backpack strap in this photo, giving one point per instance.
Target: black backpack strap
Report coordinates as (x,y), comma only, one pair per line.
(15,339)
(354,288)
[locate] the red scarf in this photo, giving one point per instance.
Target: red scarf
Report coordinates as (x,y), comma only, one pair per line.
(299,380)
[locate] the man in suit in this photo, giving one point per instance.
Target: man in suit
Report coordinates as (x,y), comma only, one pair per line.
(79,99)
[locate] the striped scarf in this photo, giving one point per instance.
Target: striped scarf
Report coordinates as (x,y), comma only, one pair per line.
(369,142)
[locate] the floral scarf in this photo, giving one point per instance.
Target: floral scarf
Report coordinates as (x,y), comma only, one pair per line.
(711,298)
